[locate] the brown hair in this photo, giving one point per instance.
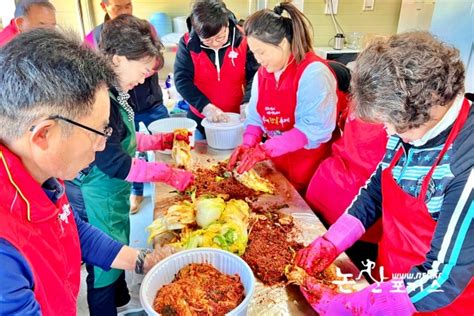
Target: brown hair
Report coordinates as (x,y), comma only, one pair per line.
(131,37)
(399,79)
(271,27)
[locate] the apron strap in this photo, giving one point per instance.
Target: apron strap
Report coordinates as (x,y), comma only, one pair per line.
(458,124)
(395,159)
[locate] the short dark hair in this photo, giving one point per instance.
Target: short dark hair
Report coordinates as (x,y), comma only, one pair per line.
(130,37)
(208,17)
(23,8)
(399,79)
(45,72)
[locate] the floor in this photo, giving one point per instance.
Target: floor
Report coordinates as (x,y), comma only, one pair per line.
(138,239)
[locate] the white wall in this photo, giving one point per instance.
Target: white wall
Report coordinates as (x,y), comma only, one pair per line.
(453,23)
(7,11)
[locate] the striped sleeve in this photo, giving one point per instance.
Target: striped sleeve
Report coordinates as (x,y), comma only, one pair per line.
(449,264)
(367,205)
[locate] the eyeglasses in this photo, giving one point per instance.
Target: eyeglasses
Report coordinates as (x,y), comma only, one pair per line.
(106,133)
(217,38)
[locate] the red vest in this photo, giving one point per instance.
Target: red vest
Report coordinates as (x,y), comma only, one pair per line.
(224,88)
(44,233)
(276,106)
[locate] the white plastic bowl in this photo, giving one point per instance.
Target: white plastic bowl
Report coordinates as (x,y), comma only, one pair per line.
(224,135)
(164,272)
(168,125)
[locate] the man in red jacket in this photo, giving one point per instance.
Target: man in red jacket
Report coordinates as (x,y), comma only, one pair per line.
(54,112)
(29,14)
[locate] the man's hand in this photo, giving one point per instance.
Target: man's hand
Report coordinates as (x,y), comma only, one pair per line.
(156,256)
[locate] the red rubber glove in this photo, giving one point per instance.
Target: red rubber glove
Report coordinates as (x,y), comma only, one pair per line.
(252,136)
(324,250)
(385,299)
(160,141)
(143,171)
(250,157)
(236,156)
(317,256)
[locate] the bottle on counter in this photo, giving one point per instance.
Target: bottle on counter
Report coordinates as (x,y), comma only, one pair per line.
(176,105)
(171,88)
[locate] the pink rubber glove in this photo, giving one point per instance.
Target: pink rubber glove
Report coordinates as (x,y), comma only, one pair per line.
(143,171)
(252,136)
(384,299)
(324,250)
(89,40)
(288,142)
(158,141)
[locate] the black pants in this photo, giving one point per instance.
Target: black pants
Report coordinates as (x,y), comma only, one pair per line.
(105,300)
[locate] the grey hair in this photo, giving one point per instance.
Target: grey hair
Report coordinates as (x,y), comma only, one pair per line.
(23,8)
(398,80)
(45,72)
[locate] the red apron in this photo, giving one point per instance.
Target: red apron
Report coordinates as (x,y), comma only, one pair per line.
(338,179)
(224,88)
(276,106)
(408,227)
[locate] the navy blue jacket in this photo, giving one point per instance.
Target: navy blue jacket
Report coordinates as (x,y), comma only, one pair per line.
(450,203)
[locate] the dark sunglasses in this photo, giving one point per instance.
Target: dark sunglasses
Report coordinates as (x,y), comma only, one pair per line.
(106,133)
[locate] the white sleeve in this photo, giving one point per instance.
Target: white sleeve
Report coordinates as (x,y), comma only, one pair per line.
(316,104)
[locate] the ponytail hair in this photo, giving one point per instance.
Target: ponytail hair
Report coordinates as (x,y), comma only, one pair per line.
(269,26)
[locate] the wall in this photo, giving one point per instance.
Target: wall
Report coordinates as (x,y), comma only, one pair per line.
(383,20)
(67,14)
(459,33)
(145,8)
(7,10)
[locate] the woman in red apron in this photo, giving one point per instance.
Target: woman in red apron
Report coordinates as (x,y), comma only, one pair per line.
(294,97)
(214,69)
(423,189)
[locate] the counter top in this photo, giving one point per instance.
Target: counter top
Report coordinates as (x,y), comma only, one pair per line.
(331,50)
(275,300)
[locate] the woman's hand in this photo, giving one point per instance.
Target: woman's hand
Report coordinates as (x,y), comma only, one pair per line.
(251,157)
(236,156)
(214,114)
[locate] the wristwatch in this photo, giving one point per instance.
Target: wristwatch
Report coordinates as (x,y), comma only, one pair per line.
(141,260)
